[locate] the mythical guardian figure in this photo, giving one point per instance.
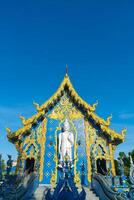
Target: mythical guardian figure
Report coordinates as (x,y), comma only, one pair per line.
(9,164)
(121,166)
(131,171)
(131,177)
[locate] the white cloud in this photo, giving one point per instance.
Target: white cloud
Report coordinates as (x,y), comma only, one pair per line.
(126,115)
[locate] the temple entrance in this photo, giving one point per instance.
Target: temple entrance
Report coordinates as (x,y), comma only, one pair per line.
(101,166)
(29,167)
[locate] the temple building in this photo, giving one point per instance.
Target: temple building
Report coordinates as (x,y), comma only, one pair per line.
(65,128)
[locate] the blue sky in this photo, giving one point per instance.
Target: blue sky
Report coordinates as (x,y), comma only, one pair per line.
(38,39)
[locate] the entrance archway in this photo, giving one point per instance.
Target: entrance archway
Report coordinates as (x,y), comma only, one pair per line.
(101,166)
(29,167)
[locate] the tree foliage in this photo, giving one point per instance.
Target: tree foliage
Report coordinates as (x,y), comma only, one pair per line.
(126,161)
(3,166)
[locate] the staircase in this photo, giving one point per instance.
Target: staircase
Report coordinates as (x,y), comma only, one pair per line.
(90,195)
(42,190)
(39,193)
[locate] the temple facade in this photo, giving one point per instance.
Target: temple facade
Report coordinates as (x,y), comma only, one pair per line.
(65,128)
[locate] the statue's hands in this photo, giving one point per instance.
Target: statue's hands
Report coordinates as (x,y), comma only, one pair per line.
(70,138)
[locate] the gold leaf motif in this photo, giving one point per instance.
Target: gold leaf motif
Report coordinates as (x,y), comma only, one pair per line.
(53,179)
(37,106)
(77,178)
(8,131)
(108,120)
(64,109)
(94,106)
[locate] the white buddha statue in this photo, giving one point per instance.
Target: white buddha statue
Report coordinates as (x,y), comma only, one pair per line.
(66,142)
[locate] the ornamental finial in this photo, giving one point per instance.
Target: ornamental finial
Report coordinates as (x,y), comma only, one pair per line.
(37,106)
(123,132)
(108,120)
(23,120)
(8,130)
(95,105)
(66,70)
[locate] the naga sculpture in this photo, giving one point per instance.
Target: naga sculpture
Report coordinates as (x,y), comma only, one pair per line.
(9,164)
(131,177)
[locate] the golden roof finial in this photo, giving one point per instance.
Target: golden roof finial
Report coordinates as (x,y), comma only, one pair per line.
(66,70)
(123,132)
(95,105)
(23,120)
(108,120)
(37,106)
(8,130)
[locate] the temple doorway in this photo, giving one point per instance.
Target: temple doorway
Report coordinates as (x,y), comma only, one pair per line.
(29,167)
(101,166)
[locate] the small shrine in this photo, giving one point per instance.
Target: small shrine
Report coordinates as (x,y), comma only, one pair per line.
(65,129)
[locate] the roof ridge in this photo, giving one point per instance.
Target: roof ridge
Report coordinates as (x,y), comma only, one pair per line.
(41,109)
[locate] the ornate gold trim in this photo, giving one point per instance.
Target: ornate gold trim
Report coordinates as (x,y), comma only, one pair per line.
(88,145)
(76,174)
(112,159)
(41,141)
(66,83)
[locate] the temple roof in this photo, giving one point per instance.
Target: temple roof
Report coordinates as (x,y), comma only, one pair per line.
(88,109)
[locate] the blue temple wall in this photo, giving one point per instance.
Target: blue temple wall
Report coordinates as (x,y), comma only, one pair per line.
(49,162)
(53,128)
(81,165)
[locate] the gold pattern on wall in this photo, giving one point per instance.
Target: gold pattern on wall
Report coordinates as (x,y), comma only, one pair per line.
(112,149)
(33,151)
(76,174)
(101,143)
(77,179)
(88,144)
(92,133)
(65,108)
(53,179)
(41,134)
(19,149)
(31,143)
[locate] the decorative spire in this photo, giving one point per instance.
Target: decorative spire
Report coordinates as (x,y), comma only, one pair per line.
(108,120)
(37,106)
(95,105)
(8,130)
(66,70)
(23,120)
(123,132)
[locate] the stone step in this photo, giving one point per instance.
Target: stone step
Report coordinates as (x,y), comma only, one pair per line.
(90,195)
(39,193)
(41,190)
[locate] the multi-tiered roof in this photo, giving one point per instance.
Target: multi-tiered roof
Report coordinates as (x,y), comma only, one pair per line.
(89,111)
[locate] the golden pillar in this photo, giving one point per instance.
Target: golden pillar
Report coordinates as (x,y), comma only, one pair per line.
(19,150)
(112,159)
(88,151)
(41,141)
